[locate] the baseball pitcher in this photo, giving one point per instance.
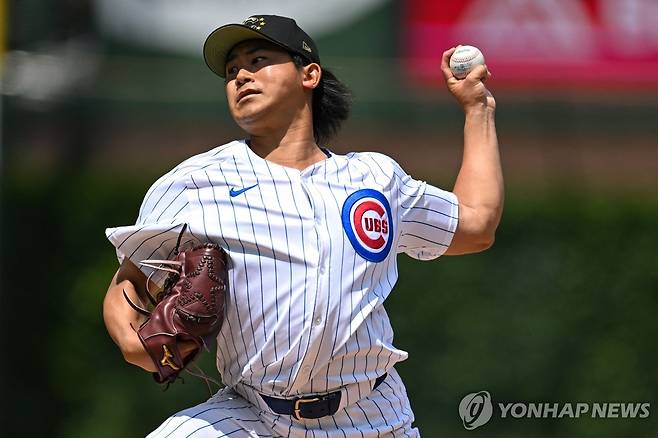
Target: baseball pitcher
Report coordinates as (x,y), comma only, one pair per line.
(283,252)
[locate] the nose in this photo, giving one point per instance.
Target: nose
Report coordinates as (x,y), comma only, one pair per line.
(243,77)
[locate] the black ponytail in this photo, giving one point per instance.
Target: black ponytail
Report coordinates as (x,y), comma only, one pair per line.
(332,101)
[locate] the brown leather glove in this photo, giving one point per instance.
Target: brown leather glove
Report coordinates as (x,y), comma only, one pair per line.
(189,308)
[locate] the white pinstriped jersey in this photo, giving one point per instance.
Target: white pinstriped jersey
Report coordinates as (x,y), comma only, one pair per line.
(312,258)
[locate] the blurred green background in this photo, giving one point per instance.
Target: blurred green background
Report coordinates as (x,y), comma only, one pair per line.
(561,309)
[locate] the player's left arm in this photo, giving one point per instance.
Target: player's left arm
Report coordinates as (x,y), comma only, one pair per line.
(121,319)
(479,184)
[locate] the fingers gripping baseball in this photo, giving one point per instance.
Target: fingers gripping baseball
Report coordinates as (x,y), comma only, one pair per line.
(480,73)
(470,92)
(445,64)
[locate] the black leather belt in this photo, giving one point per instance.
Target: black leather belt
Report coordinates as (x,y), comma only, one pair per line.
(310,406)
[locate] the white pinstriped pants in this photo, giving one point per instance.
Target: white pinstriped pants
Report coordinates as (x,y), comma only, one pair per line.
(384,413)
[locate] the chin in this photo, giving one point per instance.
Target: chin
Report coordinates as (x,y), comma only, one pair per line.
(248,120)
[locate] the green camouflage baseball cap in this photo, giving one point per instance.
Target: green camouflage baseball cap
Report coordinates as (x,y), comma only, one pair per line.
(282,31)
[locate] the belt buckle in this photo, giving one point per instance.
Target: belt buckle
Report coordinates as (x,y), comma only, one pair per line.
(296,410)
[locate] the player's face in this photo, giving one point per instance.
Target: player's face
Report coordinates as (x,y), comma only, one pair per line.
(263,86)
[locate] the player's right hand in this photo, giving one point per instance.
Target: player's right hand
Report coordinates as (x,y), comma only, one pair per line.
(470,92)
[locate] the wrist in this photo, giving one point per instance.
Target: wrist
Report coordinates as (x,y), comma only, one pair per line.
(479,110)
(134,352)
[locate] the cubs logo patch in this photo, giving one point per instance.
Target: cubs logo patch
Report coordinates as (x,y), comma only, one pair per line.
(368,223)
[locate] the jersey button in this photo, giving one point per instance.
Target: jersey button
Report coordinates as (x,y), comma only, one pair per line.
(317,321)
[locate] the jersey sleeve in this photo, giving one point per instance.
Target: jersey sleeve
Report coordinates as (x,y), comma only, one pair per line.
(162,216)
(428,217)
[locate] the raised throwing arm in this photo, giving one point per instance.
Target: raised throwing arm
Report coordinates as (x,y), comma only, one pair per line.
(479,184)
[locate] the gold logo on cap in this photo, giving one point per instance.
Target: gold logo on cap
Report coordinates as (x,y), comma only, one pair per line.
(306,47)
(254,22)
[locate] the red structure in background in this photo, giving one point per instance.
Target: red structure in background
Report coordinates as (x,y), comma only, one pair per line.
(590,44)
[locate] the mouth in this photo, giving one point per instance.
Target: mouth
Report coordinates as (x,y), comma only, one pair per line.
(245,93)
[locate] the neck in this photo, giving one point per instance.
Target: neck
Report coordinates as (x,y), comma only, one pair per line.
(291,147)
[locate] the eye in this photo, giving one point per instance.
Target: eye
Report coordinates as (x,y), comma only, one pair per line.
(231,71)
(257,59)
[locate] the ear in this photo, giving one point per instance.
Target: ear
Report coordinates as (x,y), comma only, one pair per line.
(311,75)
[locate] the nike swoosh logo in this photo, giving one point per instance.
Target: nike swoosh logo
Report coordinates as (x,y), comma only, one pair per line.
(233,192)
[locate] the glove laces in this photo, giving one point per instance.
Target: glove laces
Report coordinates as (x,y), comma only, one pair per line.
(171,266)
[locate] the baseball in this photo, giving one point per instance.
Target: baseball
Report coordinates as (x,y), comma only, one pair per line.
(464,59)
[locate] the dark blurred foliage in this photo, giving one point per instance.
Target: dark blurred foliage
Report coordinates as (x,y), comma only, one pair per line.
(561,309)
(34,21)
(57,266)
